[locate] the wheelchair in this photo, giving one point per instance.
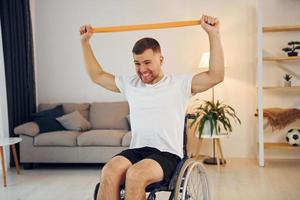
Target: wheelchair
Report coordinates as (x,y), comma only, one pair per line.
(189,181)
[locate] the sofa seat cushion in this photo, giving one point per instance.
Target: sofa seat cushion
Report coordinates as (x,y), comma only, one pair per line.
(101,138)
(126,139)
(57,138)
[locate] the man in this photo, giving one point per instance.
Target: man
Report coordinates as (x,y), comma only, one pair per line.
(157,104)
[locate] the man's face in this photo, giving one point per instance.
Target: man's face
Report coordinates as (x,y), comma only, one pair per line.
(148,65)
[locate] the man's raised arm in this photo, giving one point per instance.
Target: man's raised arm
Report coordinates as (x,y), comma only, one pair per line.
(205,80)
(94,69)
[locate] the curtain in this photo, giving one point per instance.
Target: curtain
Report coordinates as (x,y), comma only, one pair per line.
(18,61)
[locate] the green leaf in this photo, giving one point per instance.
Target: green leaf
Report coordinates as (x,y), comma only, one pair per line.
(297,42)
(287,49)
(201,126)
(211,126)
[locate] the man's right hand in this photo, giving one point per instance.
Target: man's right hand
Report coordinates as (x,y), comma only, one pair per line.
(94,69)
(86,33)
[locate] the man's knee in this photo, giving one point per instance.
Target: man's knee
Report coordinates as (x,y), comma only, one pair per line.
(136,175)
(108,172)
(114,170)
(144,173)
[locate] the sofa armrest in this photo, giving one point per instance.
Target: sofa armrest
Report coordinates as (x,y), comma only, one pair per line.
(126,139)
(29,128)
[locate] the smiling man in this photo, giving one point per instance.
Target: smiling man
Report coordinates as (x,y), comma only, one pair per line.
(148,60)
(157,104)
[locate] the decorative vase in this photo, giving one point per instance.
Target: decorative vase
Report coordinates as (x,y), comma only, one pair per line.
(206,132)
(287,83)
(293,53)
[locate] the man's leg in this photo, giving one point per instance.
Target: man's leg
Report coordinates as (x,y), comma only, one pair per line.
(139,176)
(112,176)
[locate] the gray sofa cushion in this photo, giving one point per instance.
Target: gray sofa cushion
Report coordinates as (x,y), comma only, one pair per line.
(109,115)
(57,138)
(101,138)
(83,108)
(126,139)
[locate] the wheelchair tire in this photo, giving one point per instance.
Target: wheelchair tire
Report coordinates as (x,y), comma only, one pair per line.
(192,182)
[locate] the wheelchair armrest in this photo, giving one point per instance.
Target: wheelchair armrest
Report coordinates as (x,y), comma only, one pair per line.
(172,183)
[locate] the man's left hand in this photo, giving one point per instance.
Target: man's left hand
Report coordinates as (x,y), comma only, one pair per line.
(210,24)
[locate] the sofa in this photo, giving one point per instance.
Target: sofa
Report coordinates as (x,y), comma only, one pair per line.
(108,134)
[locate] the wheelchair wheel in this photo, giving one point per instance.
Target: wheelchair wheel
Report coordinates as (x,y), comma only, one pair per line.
(192,182)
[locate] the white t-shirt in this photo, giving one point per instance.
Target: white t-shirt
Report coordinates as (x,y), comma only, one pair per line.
(157,111)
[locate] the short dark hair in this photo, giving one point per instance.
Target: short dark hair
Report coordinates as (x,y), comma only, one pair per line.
(146,43)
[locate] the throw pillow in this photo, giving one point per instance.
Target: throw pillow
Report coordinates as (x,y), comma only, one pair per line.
(47,119)
(74,121)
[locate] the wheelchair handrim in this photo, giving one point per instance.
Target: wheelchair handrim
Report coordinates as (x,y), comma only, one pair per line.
(184,176)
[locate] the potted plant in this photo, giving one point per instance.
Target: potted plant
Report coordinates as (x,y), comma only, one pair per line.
(212,116)
(287,80)
(292,50)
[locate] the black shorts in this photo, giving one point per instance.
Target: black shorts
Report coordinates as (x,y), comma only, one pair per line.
(166,160)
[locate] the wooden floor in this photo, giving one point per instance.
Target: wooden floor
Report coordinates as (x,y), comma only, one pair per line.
(241,179)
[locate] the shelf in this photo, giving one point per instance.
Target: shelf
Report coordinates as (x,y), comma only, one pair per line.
(281,58)
(280,87)
(281,28)
(280,146)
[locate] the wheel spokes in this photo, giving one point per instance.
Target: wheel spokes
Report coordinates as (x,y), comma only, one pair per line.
(196,186)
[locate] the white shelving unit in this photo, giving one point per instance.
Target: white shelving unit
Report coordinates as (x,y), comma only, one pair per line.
(260,88)
(259,75)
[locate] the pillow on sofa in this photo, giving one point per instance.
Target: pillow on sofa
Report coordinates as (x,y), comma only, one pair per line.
(47,119)
(83,108)
(74,121)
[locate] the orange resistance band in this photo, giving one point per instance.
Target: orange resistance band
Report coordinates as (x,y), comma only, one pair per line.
(145,26)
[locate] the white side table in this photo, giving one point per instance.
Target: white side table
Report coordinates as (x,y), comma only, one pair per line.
(9,142)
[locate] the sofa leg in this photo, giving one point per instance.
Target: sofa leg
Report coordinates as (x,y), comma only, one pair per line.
(27,166)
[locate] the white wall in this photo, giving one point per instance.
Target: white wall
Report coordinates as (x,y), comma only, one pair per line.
(33,24)
(61,75)
(4,132)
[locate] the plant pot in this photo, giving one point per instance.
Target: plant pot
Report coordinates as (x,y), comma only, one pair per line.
(287,83)
(293,53)
(206,131)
